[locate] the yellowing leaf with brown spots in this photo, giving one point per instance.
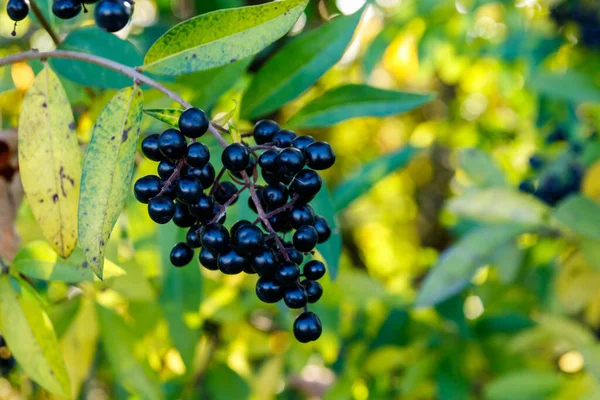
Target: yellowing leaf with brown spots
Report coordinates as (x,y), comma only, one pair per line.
(107,172)
(49,160)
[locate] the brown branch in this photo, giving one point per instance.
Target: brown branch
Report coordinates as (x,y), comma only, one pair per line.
(43,22)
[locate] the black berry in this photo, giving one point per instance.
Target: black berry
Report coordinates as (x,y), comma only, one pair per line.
(319,155)
(301,142)
(66,9)
(235,157)
(248,239)
(192,238)
(323,230)
(314,290)
(290,161)
(113,15)
(268,290)
(307,327)
(295,296)
(166,168)
(146,188)
(193,123)
(224,191)
(161,209)
(284,138)
(208,260)
(265,262)
(238,225)
(306,184)
(17,10)
(189,190)
(203,208)
(314,270)
(181,255)
(215,238)
(288,272)
(305,238)
(275,196)
(172,144)
(267,160)
(150,148)
(183,218)
(301,214)
(232,262)
(197,155)
(264,130)
(206,175)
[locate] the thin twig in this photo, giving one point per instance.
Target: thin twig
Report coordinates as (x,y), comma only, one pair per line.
(217,181)
(44,22)
(228,203)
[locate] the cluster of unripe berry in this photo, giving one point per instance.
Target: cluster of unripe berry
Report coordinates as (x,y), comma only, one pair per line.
(187,191)
(110,15)
(7,361)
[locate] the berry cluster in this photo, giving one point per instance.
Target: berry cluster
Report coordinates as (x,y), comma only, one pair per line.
(110,15)
(585,14)
(188,191)
(7,361)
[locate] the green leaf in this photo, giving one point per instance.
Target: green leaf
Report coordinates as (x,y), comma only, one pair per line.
(571,85)
(49,160)
(236,388)
(481,168)
(297,66)
(92,40)
(378,46)
(38,260)
(500,205)
(331,249)
(523,385)
(107,173)
(508,260)
(580,214)
(363,179)
(180,298)
(119,344)
(221,37)
(353,101)
(169,116)
(457,265)
(30,335)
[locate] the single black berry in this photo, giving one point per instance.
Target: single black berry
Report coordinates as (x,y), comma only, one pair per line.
(319,155)
(203,208)
(166,168)
(181,254)
(17,10)
(265,262)
(264,130)
(295,256)
(307,183)
(215,238)
(323,229)
(278,222)
(267,160)
(161,209)
(290,161)
(301,214)
(224,191)
(314,270)
(301,142)
(249,169)
(172,144)
(146,188)
(193,123)
(307,327)
(189,190)
(208,260)
(284,138)
(113,15)
(248,239)
(295,296)
(197,155)
(238,225)
(235,157)
(192,237)
(150,148)
(275,196)
(305,238)
(268,290)
(288,272)
(314,290)
(183,218)
(66,9)
(206,175)
(232,262)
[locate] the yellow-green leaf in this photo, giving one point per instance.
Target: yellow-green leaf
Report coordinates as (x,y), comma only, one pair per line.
(39,261)
(30,336)
(107,172)
(169,116)
(221,37)
(49,160)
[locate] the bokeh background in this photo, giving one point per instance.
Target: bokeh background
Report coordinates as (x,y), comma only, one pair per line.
(508,75)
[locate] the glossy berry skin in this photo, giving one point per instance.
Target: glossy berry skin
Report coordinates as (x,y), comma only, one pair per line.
(166,168)
(235,157)
(17,10)
(249,169)
(267,160)
(203,208)
(150,148)
(238,225)
(314,290)
(265,262)
(296,256)
(189,190)
(66,9)
(146,188)
(206,174)
(170,190)
(295,296)
(319,155)
(215,238)
(193,122)
(307,183)
(113,15)
(290,161)
(323,229)
(301,142)
(225,191)
(275,196)
(248,239)
(268,290)
(301,214)
(232,262)
(172,144)
(279,222)
(197,155)
(183,218)
(161,209)
(192,237)
(264,130)
(181,255)
(305,238)
(287,273)
(208,260)
(314,270)
(307,327)
(284,138)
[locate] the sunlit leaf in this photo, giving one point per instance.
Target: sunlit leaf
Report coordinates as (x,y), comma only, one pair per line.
(293,69)
(169,116)
(352,101)
(30,335)
(221,37)
(508,260)
(580,214)
(107,173)
(481,168)
(49,161)
(523,385)
(570,85)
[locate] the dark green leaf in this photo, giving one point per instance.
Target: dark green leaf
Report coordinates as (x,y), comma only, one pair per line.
(378,46)
(234,388)
(571,85)
(523,385)
(481,168)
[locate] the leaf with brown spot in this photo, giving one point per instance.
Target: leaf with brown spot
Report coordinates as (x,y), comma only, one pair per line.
(49,161)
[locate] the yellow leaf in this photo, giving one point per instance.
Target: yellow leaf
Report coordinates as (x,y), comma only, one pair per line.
(49,161)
